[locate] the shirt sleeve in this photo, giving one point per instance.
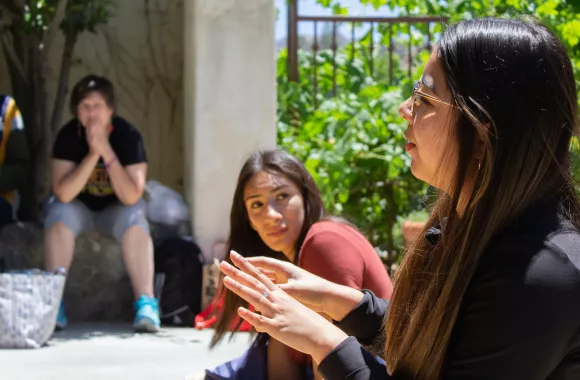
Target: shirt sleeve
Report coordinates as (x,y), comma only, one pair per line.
(366,321)
(330,255)
(519,320)
(131,150)
(350,361)
(517,324)
(67,146)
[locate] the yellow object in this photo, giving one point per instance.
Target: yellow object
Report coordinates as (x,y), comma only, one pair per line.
(11,112)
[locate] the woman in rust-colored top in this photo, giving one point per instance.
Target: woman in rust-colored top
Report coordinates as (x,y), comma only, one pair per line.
(339,253)
(277,212)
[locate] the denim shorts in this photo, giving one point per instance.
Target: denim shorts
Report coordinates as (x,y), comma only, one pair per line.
(113,221)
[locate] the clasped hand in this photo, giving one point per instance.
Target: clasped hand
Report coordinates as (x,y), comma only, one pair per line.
(97,138)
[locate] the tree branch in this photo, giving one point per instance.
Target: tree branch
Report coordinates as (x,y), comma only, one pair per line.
(49,37)
(10,9)
(65,65)
(12,56)
(18,4)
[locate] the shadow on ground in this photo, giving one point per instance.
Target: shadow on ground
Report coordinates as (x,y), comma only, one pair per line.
(114,352)
(120,331)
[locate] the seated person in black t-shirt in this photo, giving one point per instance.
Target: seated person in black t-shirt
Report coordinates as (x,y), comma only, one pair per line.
(99,172)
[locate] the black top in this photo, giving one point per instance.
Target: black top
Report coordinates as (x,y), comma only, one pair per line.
(519,319)
(71,145)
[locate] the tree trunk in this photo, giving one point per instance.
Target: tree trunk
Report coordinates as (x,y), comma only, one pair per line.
(22,92)
(29,52)
(44,141)
(61,93)
(31,99)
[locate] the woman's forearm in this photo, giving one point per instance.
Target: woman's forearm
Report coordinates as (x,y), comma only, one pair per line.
(125,188)
(341,300)
(326,341)
(67,188)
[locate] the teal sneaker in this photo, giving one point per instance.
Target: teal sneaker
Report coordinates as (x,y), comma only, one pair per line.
(61,319)
(147,314)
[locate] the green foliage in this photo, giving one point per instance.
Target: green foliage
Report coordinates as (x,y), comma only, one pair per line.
(353,141)
(83,15)
(80,16)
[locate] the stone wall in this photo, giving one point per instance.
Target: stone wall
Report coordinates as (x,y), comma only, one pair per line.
(97,288)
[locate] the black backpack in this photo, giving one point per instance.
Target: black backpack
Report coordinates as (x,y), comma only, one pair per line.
(178,279)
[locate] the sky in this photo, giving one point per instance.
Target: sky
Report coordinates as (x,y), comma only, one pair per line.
(310,8)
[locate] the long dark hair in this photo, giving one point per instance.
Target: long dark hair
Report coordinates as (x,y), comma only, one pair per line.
(514,88)
(244,240)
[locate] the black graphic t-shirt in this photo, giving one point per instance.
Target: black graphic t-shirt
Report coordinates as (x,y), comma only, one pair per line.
(71,145)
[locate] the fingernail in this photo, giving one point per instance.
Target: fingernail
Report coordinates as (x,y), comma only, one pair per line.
(235,254)
(226,265)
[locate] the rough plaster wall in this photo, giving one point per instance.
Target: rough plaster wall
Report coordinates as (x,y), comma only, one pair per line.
(232,89)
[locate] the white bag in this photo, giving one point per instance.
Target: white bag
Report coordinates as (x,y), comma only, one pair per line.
(29,303)
(165,206)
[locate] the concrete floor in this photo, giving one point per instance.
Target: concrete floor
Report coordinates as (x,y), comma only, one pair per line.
(114,352)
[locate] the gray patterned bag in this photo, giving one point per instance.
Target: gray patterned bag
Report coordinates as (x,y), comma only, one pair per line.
(29,302)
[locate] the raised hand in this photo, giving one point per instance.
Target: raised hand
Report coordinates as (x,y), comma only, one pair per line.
(313,291)
(282,317)
(304,286)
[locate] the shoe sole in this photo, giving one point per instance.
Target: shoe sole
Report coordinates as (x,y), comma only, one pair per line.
(145,325)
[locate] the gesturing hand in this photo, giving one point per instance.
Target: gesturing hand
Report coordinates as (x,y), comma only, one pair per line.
(282,317)
(304,286)
(317,293)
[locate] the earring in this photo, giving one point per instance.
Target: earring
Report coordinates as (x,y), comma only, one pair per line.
(478,165)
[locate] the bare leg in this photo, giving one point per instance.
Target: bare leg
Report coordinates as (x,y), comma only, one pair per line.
(59,246)
(137,249)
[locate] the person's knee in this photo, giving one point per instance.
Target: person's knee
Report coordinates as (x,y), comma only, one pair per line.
(58,238)
(64,219)
(132,220)
(60,229)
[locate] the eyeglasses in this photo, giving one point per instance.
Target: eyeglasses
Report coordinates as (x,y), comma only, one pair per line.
(418,95)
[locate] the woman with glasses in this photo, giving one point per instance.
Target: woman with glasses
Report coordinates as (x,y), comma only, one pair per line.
(492,291)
